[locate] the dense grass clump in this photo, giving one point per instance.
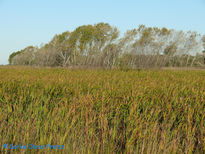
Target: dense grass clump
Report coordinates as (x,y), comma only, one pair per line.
(101,111)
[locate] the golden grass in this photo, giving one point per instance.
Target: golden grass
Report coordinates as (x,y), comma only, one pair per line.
(99,111)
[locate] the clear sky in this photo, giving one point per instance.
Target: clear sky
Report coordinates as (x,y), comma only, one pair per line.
(32,22)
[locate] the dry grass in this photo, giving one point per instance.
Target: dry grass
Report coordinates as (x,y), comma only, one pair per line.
(99,111)
(184,68)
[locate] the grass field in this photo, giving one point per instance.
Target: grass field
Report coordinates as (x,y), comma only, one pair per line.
(102,111)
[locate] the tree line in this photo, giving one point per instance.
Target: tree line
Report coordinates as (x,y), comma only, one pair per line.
(101,45)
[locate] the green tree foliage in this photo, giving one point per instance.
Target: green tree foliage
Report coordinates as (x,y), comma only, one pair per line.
(23,57)
(100,45)
(203,40)
(13,55)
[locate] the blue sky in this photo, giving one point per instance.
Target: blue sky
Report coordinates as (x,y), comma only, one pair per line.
(32,22)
